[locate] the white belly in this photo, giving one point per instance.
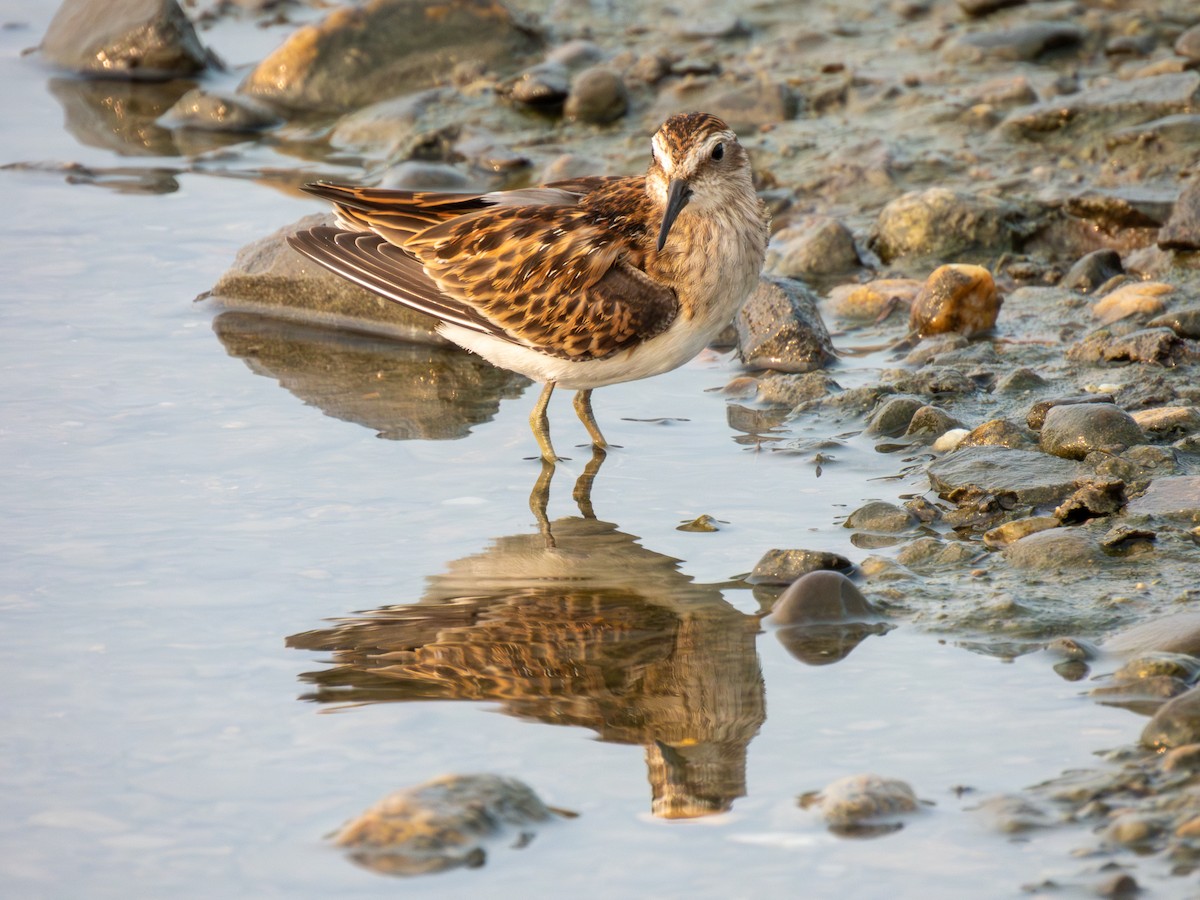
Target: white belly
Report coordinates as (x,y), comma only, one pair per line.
(669,350)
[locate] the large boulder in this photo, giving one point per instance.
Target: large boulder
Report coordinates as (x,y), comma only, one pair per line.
(362,54)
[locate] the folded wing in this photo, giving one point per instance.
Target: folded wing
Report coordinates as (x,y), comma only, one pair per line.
(534,266)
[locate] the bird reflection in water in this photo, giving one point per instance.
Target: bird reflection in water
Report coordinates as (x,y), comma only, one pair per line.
(577,624)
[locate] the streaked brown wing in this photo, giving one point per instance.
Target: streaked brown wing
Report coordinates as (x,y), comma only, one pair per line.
(397,214)
(371,261)
(555,278)
(543,267)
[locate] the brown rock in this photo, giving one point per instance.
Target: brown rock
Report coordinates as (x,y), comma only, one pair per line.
(1182,230)
(956,298)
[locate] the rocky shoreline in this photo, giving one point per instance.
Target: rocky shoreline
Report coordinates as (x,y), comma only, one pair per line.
(994,205)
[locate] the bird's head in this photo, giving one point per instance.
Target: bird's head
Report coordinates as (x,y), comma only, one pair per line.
(697,163)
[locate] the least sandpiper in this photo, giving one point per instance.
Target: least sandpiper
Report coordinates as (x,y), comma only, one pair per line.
(578,283)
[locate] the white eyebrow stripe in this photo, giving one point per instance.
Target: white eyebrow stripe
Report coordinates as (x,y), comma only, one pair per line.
(662,156)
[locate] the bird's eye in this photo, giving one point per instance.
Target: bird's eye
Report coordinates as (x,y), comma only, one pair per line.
(718,152)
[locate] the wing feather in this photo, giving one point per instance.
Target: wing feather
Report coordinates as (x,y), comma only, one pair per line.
(549,268)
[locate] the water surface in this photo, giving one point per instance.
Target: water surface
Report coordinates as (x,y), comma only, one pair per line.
(175,517)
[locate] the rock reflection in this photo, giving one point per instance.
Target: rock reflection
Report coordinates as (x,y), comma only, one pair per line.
(402,391)
(822,645)
(122,116)
(576,624)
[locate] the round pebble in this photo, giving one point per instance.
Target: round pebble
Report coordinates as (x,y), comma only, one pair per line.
(598,95)
(856,799)
(894,416)
(819,245)
(1054,550)
(1072,432)
(822,597)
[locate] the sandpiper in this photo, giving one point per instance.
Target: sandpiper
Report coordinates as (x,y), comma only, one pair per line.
(579,283)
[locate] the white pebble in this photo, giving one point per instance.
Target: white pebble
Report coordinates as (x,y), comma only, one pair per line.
(950,440)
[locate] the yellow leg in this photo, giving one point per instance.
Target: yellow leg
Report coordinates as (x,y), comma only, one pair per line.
(583,484)
(539,499)
(583,409)
(540,424)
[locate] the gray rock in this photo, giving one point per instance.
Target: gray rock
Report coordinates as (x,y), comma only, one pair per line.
(817,245)
(1005,92)
(1159,346)
(930,423)
(389,127)
(1118,208)
(978,8)
(269,277)
(942,223)
(1171,497)
(440,825)
(747,108)
(598,95)
(785,566)
(567,166)
(1114,104)
(1183,128)
(1037,412)
(855,801)
(1023,42)
(1073,432)
(1092,500)
(1182,230)
(928,554)
(780,328)
(893,416)
(1137,464)
(1184,322)
(384,48)
(792,390)
(932,381)
(719,27)
(576,54)
(136,39)
(419,175)
(1188,43)
(822,598)
(1130,45)
(1093,270)
(1019,381)
(1177,633)
(205,111)
(545,86)
(1176,723)
(1013,813)
(1027,476)
(880,516)
(1054,550)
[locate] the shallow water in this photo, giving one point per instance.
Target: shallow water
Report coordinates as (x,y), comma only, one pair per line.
(174,520)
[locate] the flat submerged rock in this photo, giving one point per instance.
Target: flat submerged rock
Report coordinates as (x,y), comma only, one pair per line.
(1027,475)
